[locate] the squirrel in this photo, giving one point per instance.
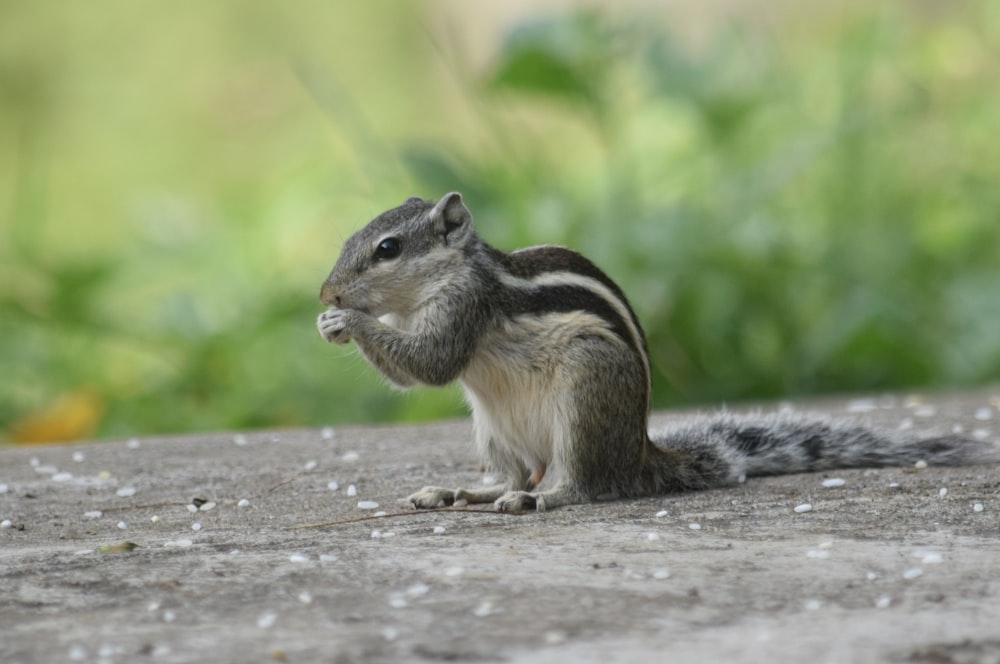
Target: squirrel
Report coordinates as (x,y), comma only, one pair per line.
(555,367)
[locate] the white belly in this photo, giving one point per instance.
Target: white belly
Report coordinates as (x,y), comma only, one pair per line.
(520,387)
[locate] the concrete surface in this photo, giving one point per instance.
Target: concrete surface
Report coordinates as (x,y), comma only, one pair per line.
(895,565)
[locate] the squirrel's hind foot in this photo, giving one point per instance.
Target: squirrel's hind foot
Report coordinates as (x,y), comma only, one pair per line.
(432,496)
(522,501)
(517,501)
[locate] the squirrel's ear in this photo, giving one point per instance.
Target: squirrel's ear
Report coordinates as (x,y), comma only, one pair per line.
(452,219)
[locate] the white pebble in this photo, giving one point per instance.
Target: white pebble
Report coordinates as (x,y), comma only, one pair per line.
(240,439)
(555,637)
(439,530)
(819,554)
(913,573)
(311,465)
(883,602)
(694,526)
(350,456)
(4,488)
(662,513)
(133,444)
(79,456)
(978,507)
(178,544)
(126,491)
(931,558)
(925,411)
(192,508)
(661,574)
(380,513)
(983,414)
(332,486)
(206,506)
(243,503)
(871,576)
(305,597)
(397,602)
(122,525)
(62,477)
(742,478)
(327,433)
(861,406)
(154,519)
(893,485)
(981,434)
(958,428)
(6,523)
(485,609)
(195,527)
(804,507)
(298,558)
(267,619)
(367,504)
(418,590)
(906,423)
(77,653)
(943,492)
(920,465)
(169,616)
(652,537)
(327,558)
(454,571)
(834,482)
(352,490)
(813,605)
(93,514)
(390,633)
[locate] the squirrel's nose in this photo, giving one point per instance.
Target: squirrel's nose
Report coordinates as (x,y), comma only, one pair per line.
(328,295)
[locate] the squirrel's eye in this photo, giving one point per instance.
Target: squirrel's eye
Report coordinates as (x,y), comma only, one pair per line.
(387,248)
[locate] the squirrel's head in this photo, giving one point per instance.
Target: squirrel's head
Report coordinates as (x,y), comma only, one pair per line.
(401,257)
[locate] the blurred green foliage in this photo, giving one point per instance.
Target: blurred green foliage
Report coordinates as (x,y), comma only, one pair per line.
(801,205)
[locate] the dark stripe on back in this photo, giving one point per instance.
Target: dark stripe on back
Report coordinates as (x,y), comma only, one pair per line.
(564,299)
(533,261)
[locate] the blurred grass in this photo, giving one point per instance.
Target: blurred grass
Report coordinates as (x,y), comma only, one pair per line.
(796,205)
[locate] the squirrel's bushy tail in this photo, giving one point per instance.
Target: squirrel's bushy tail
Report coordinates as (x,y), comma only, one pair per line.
(718,449)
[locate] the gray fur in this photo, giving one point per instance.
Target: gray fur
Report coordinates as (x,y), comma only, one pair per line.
(554,365)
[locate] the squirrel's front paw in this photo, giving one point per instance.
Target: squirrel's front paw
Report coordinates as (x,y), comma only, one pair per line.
(334,325)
